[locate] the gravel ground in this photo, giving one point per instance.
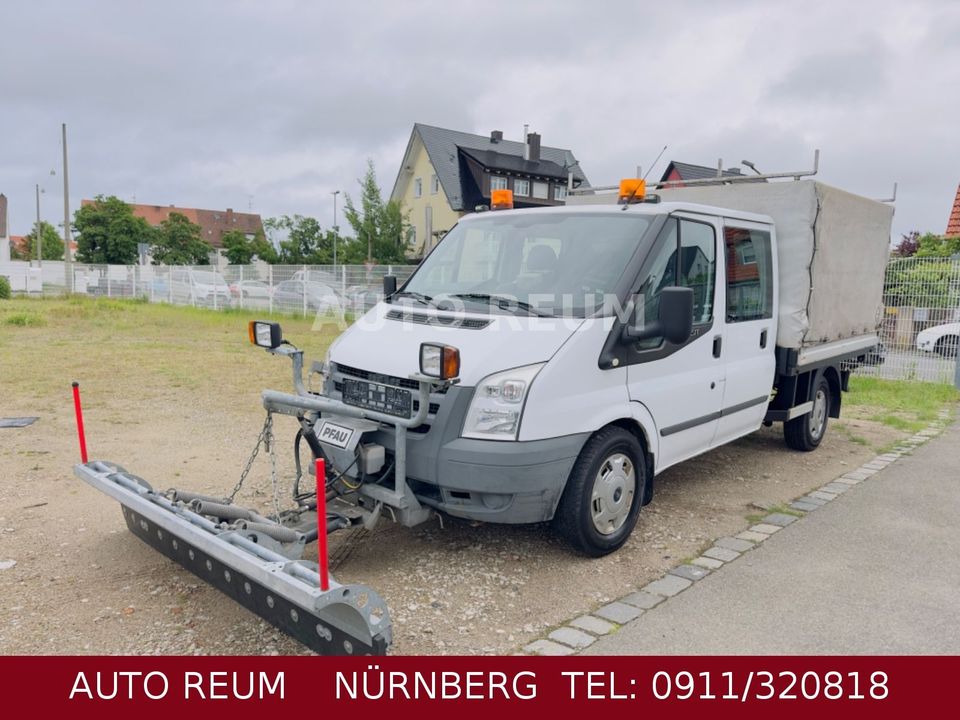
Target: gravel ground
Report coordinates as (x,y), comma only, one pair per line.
(83,584)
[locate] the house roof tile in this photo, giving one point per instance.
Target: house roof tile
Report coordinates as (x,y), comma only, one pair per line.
(953,224)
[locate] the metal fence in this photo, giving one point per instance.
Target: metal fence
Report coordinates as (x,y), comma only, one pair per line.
(289,289)
(920,324)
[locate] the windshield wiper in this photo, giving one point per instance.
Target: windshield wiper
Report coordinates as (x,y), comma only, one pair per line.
(503,302)
(419,297)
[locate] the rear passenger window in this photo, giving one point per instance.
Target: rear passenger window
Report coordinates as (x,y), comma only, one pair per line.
(749,274)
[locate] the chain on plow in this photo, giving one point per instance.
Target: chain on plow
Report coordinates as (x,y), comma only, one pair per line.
(265,440)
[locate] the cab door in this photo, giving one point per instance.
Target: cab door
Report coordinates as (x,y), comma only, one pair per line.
(749,330)
(681,385)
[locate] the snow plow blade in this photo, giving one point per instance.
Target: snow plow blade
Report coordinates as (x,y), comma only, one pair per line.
(344,620)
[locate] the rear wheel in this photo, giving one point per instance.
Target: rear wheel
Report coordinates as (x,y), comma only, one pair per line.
(805,432)
(602,499)
(947,346)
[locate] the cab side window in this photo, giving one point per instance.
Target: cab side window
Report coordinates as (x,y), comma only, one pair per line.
(684,255)
(749,258)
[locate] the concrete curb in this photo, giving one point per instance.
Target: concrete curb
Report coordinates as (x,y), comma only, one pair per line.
(582,631)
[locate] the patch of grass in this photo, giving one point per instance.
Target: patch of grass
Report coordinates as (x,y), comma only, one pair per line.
(755,518)
(848,433)
(25,320)
(123,348)
(921,399)
(905,405)
(901,423)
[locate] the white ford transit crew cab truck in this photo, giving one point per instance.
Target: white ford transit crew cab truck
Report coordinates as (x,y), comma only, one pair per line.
(546,364)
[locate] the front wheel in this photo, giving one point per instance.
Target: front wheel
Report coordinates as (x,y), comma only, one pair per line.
(602,499)
(805,433)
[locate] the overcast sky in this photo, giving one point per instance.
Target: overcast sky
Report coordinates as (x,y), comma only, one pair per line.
(274,105)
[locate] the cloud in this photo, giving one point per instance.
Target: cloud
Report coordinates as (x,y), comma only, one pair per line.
(843,78)
(212,105)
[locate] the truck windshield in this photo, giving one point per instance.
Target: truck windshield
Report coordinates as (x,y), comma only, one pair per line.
(556,264)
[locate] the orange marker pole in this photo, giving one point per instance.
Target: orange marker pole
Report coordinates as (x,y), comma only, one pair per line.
(322,524)
(79,412)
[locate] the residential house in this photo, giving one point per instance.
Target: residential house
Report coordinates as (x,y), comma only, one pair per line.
(953,224)
(19,245)
(685,171)
(213,223)
(447,173)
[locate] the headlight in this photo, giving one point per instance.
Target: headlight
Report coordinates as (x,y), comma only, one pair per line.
(439,361)
(265,334)
(497,405)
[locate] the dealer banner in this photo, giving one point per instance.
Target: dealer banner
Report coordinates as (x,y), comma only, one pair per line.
(474,686)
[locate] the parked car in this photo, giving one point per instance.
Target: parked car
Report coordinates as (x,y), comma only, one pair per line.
(199,287)
(256,289)
(318,276)
(289,295)
(361,298)
(941,339)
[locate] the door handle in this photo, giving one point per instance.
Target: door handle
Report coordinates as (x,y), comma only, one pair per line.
(717,345)
(763,339)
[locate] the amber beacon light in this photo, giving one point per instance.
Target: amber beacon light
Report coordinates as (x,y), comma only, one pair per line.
(501,200)
(632,190)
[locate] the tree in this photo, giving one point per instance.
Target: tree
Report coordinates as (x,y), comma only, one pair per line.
(179,242)
(922,283)
(241,250)
(937,246)
(108,232)
(52,245)
(306,242)
(908,245)
(380,227)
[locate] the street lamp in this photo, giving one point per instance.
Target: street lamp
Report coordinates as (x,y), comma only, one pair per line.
(336,230)
(38,234)
(750,165)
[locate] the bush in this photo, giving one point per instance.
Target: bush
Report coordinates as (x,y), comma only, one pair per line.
(26,320)
(4,288)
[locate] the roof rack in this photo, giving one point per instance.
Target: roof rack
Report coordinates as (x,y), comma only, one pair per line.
(720,179)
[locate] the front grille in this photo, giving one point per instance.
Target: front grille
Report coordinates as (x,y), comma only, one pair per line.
(378,377)
(433,410)
(440,320)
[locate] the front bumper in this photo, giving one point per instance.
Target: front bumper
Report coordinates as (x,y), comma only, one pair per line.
(485,480)
(504,482)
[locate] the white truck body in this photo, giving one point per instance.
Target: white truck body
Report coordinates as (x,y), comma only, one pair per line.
(784,280)
(822,233)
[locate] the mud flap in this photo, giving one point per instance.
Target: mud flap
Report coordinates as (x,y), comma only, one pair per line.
(344,620)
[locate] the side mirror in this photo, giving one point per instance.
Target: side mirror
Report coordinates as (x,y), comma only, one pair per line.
(674,319)
(389,286)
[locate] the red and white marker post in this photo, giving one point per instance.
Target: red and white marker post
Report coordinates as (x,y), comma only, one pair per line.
(322,524)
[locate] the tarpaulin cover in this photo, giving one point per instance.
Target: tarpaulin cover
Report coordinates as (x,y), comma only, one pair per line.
(832,249)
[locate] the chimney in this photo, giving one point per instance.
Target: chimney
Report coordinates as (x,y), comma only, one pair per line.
(229,216)
(531,150)
(3,215)
(496,136)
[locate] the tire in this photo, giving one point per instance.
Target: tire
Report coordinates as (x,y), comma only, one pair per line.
(947,346)
(805,433)
(598,519)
